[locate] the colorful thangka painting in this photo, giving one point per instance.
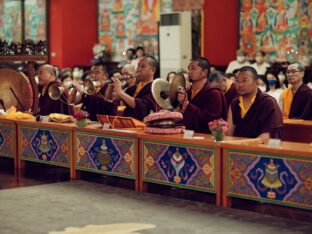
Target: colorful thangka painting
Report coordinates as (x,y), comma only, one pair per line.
(11,20)
(35,19)
(127,24)
(282,29)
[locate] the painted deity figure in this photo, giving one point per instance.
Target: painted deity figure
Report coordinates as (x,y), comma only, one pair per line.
(105,23)
(120,27)
(267,43)
(281,22)
(117,7)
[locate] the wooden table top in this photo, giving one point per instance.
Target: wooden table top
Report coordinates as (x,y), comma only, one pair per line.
(286,147)
(31,122)
(307,123)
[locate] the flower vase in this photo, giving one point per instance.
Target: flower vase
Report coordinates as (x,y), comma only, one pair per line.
(82,122)
(218,135)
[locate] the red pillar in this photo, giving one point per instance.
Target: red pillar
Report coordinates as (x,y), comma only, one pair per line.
(220,29)
(73,31)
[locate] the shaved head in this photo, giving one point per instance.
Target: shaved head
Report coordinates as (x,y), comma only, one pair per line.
(48,67)
(46,74)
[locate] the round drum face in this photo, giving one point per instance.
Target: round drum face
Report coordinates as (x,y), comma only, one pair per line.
(15,90)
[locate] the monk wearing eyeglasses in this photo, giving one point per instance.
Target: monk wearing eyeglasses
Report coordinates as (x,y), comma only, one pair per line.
(297,99)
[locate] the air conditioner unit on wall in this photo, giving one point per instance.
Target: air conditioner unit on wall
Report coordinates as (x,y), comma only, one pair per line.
(175,41)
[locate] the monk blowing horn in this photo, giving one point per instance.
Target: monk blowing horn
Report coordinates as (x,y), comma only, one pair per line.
(56,91)
(91,87)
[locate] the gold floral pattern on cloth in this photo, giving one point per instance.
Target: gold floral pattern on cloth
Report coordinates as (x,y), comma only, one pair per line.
(81,151)
(308,183)
(64,147)
(25,142)
(129,158)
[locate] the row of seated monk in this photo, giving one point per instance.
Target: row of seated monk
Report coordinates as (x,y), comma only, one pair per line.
(249,111)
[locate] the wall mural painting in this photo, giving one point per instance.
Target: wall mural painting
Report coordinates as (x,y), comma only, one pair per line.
(10,20)
(124,24)
(35,19)
(282,29)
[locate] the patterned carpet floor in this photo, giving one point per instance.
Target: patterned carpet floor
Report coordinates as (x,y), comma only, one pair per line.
(81,207)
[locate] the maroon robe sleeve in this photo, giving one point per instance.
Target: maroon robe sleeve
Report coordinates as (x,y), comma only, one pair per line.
(96,105)
(207,106)
(48,105)
(231,95)
(271,119)
(144,103)
(301,106)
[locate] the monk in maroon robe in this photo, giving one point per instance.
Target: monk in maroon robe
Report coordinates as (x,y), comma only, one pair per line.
(254,114)
(97,105)
(47,105)
(142,102)
(219,80)
(201,104)
(128,110)
(301,104)
(128,73)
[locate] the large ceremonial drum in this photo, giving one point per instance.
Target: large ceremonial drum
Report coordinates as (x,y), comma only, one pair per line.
(15,90)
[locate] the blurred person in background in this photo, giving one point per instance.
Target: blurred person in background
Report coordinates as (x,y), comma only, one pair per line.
(274,85)
(260,65)
(240,61)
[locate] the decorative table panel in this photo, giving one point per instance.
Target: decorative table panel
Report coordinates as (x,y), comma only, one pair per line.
(107,154)
(7,139)
(180,165)
(271,178)
(46,145)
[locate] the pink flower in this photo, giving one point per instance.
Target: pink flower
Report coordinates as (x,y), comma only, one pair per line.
(224,128)
(218,125)
(80,115)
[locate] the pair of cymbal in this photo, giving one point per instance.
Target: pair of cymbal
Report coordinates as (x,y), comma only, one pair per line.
(166,94)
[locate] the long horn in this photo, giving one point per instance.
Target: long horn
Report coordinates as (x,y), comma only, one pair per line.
(55,91)
(91,87)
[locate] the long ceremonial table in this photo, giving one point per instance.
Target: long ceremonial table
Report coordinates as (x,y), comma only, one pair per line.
(232,168)
(298,130)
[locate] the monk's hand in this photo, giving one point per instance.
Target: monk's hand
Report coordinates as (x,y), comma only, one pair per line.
(182,99)
(78,86)
(117,85)
(115,96)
